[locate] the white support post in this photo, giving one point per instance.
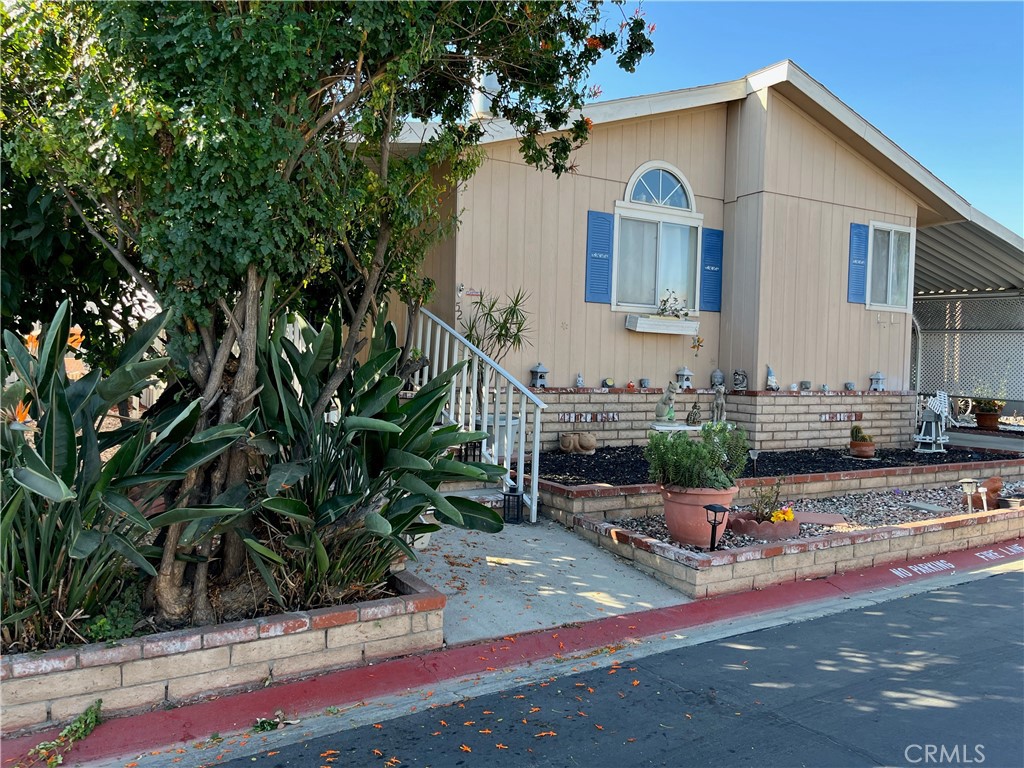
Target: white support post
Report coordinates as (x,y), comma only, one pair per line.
(534,468)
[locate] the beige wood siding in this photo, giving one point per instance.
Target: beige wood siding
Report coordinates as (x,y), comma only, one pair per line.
(816,186)
(526,228)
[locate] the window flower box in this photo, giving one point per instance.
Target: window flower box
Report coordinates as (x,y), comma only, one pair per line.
(681,326)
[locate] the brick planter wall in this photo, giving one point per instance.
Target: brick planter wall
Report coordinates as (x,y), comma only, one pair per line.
(46,689)
(773,420)
(613,502)
(735,570)
(793,420)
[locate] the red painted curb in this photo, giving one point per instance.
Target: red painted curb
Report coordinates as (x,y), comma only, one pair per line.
(237,713)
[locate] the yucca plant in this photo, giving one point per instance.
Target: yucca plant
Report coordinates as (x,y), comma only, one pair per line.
(74,525)
(344,495)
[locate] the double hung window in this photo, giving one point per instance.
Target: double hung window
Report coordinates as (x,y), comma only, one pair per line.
(657,242)
(890,266)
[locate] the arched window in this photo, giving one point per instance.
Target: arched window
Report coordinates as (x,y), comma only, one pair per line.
(657,241)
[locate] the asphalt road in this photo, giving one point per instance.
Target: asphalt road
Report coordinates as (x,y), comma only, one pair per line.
(932,679)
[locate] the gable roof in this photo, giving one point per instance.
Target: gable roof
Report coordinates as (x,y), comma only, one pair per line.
(959,248)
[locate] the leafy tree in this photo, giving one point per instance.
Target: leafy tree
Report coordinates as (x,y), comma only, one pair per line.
(210,146)
(49,257)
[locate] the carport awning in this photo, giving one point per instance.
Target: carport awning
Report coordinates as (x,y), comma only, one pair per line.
(968,257)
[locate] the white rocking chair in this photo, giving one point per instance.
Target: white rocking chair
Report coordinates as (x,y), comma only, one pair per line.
(938,414)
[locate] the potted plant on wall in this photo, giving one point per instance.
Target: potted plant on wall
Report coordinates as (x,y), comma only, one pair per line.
(693,474)
(987,412)
(862,445)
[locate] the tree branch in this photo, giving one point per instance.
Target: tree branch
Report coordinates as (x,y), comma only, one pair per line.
(118,255)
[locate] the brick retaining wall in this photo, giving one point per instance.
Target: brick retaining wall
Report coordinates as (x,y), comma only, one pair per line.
(613,502)
(699,574)
(773,420)
(46,689)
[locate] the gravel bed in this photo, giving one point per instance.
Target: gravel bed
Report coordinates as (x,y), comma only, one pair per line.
(864,510)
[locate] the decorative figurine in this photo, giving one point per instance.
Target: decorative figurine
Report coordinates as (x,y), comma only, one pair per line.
(739,380)
(579,379)
(718,406)
(665,410)
(824,388)
(717,377)
(608,383)
(773,384)
(539,376)
(645,383)
(849,386)
(693,417)
(631,387)
(794,387)
(578,442)
(805,386)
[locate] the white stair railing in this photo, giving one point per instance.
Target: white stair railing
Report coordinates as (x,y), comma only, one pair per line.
(507,406)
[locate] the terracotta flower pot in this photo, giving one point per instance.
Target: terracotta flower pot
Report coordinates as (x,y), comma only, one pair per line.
(685,516)
(744,524)
(987,420)
(862,450)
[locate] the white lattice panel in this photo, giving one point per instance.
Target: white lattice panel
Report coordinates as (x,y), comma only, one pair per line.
(973,364)
(971,314)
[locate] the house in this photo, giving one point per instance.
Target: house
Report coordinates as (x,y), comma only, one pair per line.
(797,235)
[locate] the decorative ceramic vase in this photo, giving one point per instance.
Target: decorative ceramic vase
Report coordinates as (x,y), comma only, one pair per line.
(862,450)
(744,524)
(685,516)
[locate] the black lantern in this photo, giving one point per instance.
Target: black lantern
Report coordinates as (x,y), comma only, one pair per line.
(512,507)
(716,516)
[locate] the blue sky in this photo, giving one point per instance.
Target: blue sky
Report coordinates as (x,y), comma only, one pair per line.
(945,81)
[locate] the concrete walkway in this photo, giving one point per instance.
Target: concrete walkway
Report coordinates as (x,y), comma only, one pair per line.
(530,577)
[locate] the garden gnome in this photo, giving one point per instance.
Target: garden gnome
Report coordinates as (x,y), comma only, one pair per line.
(718,406)
(665,408)
(739,380)
(579,379)
(693,417)
(773,384)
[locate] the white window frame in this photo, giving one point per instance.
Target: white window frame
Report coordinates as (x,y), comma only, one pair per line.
(872,226)
(658,214)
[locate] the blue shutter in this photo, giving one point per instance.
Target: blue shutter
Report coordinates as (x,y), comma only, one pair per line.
(857,289)
(599,257)
(711,270)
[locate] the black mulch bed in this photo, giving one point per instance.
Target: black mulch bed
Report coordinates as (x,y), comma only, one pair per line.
(627,466)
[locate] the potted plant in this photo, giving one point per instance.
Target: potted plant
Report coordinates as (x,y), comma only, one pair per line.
(497,328)
(693,474)
(766,519)
(987,411)
(862,445)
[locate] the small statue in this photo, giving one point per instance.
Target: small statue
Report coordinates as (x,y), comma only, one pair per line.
(773,383)
(631,387)
(717,377)
(584,443)
(718,406)
(693,417)
(824,388)
(739,380)
(665,410)
(579,379)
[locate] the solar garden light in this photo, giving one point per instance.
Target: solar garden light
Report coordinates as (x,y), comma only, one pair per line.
(753,457)
(970,486)
(716,516)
